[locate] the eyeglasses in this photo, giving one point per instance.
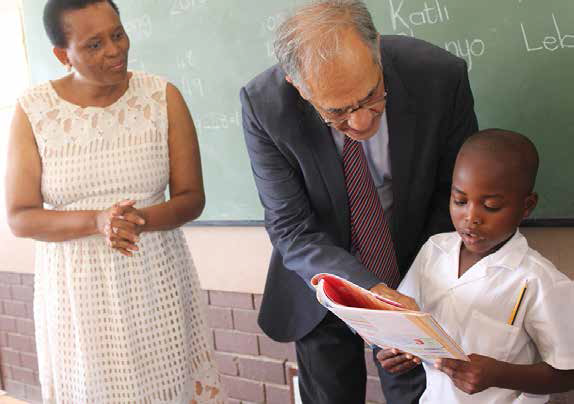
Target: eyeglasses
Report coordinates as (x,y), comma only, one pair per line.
(376,104)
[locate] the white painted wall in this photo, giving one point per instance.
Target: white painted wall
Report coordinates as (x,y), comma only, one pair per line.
(234,259)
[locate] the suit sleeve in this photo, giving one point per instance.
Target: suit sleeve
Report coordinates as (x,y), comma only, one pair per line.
(289,218)
(463,123)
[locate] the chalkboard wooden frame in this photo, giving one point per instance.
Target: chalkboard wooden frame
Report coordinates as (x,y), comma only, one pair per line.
(545,222)
(551,222)
(227,223)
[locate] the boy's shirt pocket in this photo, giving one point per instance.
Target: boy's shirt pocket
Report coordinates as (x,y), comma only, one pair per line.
(490,337)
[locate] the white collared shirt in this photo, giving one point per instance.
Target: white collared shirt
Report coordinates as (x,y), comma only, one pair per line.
(474,309)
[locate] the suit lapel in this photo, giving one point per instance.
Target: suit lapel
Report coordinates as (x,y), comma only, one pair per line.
(401,120)
(330,166)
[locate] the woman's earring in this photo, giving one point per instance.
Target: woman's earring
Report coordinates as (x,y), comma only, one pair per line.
(69,67)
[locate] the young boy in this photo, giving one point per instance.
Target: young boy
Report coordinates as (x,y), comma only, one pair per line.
(505,304)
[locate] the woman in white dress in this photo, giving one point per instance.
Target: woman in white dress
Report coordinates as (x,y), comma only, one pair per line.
(117,305)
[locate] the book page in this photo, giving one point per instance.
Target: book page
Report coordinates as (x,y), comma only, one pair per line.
(410,331)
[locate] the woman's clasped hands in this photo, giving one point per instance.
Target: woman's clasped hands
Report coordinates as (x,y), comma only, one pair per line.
(121,226)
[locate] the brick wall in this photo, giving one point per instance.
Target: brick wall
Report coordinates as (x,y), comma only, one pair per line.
(254,369)
(18,362)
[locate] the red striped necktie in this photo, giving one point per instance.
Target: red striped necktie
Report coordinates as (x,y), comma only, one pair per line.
(370,233)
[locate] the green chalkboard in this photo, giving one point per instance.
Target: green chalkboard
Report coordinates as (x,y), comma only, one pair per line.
(520,55)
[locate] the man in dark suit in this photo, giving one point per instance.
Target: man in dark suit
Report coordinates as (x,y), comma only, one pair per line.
(410,106)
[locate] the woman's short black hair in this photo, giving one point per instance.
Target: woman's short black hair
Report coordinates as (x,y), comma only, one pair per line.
(53,11)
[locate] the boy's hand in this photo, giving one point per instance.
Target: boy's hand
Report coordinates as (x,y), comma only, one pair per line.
(471,377)
(396,361)
(383,290)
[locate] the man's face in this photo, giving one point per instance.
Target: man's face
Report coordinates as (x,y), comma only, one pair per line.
(349,92)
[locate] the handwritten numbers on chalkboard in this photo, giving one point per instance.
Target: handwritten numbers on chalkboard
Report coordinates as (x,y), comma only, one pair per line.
(182,6)
(269,25)
(274,21)
(270,49)
(192,87)
(139,28)
(218,121)
(186,61)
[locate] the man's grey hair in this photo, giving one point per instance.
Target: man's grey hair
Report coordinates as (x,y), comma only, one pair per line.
(310,37)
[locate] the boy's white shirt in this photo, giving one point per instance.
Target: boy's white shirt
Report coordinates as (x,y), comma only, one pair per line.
(474,309)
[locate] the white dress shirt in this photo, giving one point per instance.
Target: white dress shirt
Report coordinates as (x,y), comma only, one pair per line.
(474,309)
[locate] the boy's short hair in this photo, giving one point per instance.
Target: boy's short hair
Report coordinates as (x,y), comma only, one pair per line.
(510,147)
(53,11)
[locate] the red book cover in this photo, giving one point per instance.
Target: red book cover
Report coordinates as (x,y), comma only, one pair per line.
(348,294)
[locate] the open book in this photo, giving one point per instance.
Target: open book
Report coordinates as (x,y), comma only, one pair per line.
(384,322)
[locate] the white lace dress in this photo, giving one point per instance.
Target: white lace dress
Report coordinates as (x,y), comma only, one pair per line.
(110,328)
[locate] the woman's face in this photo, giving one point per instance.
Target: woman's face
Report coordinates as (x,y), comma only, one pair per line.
(97,43)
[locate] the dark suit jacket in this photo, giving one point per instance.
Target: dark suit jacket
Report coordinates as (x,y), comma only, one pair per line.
(299,175)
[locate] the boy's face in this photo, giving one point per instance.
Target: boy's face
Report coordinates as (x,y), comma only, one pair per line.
(488,201)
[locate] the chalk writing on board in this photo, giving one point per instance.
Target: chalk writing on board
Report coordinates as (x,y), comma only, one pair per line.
(217,120)
(403,22)
(139,28)
(466,49)
(270,24)
(186,61)
(273,22)
(270,48)
(182,6)
(551,42)
(191,87)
